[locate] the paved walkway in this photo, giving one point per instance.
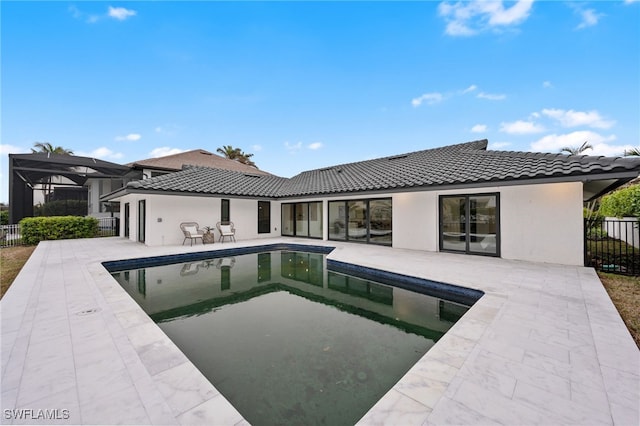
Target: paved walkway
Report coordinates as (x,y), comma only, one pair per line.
(545,345)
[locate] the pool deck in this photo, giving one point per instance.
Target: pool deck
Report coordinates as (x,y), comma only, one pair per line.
(544,345)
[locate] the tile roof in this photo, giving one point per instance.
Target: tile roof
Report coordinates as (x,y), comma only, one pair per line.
(461,164)
(196,157)
(207,180)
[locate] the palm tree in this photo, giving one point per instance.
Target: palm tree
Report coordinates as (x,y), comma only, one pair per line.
(633,152)
(236,154)
(576,151)
(47,147)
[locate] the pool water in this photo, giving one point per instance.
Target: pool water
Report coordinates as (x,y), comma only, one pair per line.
(286,340)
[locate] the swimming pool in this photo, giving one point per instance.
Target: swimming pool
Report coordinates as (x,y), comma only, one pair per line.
(287,339)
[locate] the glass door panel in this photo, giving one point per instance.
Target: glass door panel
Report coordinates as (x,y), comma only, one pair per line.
(315,220)
(288,224)
(453,219)
(357,227)
(302,220)
(483,224)
(380,221)
(337,220)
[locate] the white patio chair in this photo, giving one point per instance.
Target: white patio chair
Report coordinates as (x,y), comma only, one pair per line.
(191,230)
(227,230)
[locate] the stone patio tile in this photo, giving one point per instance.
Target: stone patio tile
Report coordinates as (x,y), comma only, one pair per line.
(396,409)
(216,410)
(157,408)
(434,369)
(450,412)
(184,387)
(145,334)
(48,369)
(568,411)
(122,407)
(426,391)
(64,409)
(452,350)
(521,372)
(623,388)
(501,409)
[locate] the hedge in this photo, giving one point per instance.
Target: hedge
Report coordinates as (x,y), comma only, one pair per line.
(622,203)
(36,229)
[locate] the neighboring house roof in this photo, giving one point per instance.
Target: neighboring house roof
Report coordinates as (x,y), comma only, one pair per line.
(467,164)
(196,157)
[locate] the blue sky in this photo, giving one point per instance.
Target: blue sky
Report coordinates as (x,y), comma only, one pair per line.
(304,85)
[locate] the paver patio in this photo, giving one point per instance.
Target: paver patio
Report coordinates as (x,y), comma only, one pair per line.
(544,345)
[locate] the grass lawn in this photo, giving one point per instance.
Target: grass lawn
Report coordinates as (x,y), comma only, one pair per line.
(624,291)
(625,294)
(11,261)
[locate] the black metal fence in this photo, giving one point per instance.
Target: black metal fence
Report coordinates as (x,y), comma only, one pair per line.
(612,245)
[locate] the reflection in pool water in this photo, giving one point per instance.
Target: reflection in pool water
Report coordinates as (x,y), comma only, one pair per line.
(287,341)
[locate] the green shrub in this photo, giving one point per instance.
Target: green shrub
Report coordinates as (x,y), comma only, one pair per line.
(36,229)
(622,203)
(4,217)
(596,233)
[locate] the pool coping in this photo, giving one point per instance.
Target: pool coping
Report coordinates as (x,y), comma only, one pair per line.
(481,371)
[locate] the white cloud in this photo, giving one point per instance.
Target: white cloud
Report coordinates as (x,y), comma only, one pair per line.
(163,151)
(601,144)
(102,153)
(521,127)
(256,148)
(630,1)
(491,96)
(547,84)
(293,147)
(471,88)
(315,145)
(132,137)
(12,149)
(430,98)
(82,16)
(468,18)
(479,128)
(589,18)
(573,118)
(498,145)
(120,13)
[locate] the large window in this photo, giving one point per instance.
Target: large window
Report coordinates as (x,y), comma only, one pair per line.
(470,224)
(302,219)
(367,221)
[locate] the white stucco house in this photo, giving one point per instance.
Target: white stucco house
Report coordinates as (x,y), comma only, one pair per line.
(461,198)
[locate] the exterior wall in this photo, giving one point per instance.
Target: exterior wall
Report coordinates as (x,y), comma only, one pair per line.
(543,223)
(540,223)
(164,213)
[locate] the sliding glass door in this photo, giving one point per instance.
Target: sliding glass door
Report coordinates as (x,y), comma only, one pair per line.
(302,219)
(367,221)
(470,224)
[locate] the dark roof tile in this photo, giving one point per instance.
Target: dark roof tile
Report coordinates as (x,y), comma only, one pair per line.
(455,164)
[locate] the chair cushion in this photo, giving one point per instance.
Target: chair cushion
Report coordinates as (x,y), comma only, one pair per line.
(226,229)
(191,230)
